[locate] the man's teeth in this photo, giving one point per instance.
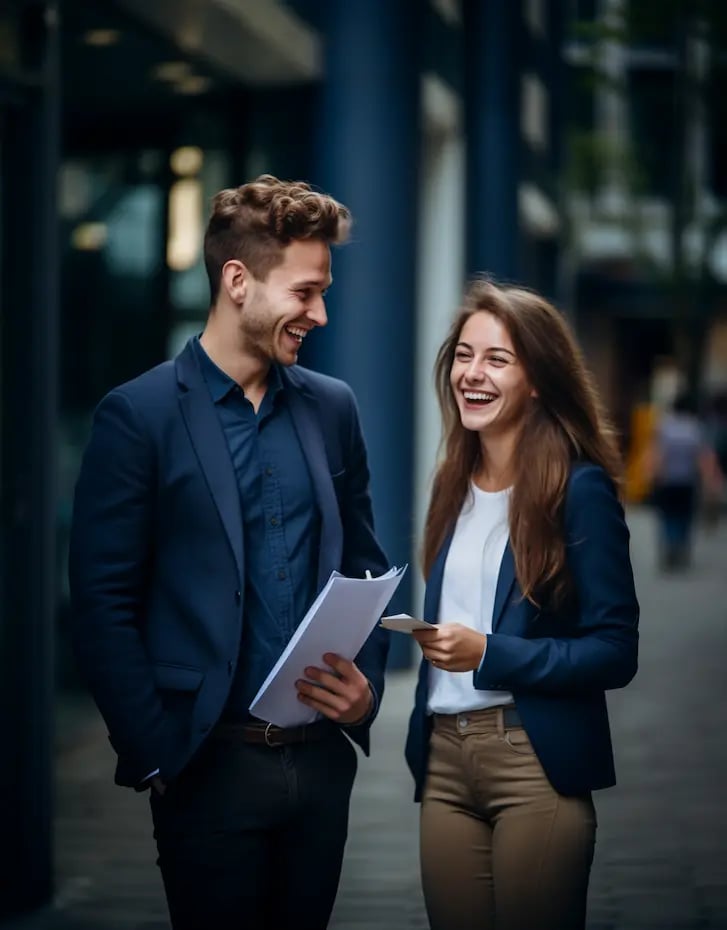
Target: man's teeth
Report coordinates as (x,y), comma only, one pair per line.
(298,333)
(478,395)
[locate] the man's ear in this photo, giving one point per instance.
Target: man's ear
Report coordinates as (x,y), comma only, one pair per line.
(234,281)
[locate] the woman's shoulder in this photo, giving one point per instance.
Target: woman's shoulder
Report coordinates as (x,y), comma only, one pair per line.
(586,477)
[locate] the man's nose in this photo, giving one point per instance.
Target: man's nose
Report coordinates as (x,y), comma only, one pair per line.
(316,311)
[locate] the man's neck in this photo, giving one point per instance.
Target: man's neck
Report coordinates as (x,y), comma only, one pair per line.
(249,371)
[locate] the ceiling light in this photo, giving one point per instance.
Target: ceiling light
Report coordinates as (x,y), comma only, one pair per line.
(194,84)
(101,38)
(171,71)
(186,160)
(89,237)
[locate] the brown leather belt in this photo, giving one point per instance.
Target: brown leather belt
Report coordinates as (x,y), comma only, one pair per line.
(269,735)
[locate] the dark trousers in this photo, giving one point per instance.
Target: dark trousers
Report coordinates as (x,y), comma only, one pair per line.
(252,837)
(676,505)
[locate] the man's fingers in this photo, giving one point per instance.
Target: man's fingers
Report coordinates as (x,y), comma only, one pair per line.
(342,667)
(326,680)
(321,698)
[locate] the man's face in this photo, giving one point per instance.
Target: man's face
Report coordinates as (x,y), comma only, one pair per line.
(279,312)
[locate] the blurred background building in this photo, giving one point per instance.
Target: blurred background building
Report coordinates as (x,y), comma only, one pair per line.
(575,147)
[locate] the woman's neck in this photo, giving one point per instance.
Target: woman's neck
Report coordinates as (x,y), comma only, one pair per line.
(495,472)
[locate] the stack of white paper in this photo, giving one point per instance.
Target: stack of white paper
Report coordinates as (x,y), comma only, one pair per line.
(340,620)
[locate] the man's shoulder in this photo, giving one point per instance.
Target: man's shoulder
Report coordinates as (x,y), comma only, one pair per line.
(150,388)
(153,378)
(320,385)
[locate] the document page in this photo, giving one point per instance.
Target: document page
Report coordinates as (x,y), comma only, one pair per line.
(340,620)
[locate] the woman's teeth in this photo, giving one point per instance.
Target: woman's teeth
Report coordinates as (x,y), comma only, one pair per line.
(478,397)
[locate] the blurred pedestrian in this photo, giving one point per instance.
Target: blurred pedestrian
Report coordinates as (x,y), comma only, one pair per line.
(216,495)
(529,583)
(684,468)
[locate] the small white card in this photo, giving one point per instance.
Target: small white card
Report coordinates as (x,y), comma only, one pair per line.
(403,623)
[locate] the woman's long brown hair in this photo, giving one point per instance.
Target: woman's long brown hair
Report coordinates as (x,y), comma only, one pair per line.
(564,423)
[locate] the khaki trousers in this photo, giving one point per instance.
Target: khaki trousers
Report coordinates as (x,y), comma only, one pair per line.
(500,848)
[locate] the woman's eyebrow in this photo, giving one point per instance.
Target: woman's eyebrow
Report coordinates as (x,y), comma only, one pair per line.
(466,345)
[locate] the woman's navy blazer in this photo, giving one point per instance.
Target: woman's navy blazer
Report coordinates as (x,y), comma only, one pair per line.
(557,663)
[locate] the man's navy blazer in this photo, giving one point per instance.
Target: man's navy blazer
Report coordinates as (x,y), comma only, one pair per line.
(157,567)
(556,663)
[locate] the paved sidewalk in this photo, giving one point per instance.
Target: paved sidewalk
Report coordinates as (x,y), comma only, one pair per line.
(661,857)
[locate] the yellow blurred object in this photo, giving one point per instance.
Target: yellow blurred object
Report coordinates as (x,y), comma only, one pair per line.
(638,482)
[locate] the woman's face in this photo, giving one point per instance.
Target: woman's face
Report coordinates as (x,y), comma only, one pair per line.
(489,384)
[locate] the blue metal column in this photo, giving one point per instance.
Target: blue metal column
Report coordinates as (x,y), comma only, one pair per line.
(368,149)
(492,116)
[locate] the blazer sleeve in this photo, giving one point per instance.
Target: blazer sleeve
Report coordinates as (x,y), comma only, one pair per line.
(109,563)
(600,651)
(361,549)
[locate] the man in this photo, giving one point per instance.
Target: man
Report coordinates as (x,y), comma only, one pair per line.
(216,495)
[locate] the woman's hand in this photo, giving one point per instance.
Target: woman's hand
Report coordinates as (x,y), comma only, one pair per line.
(452,647)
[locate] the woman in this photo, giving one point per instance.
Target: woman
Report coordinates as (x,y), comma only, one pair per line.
(526,555)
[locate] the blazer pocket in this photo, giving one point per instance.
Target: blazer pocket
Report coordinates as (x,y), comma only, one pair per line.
(177,677)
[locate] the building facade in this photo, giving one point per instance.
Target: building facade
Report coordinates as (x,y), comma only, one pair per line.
(439,124)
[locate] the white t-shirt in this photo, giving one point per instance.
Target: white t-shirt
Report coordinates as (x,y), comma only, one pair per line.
(468,594)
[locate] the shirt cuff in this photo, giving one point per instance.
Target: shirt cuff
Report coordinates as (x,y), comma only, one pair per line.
(482,660)
(370,714)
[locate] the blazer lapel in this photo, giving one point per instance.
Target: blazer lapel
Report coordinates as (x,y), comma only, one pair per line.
(211,448)
(505,584)
(306,420)
(433,591)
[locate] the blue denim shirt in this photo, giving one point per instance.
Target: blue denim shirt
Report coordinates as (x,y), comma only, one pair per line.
(280,519)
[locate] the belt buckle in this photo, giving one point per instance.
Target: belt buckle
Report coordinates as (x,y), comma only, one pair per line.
(270,741)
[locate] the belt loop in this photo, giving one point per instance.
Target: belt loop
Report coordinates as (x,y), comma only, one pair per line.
(501,722)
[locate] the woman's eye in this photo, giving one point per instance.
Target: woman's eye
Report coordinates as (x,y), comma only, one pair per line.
(497,360)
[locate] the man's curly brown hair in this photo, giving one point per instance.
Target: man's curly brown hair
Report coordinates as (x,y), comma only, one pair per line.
(254,223)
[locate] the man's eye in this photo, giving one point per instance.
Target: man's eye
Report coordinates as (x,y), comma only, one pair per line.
(303,293)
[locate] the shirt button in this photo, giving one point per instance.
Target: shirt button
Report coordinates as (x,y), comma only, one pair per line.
(462,722)
(282,575)
(268,471)
(273,521)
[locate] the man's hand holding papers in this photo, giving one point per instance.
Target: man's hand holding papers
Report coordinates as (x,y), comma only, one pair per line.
(333,631)
(342,695)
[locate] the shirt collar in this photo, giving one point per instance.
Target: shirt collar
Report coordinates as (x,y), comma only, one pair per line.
(220,384)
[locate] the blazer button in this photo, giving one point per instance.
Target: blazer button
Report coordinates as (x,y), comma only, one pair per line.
(238,597)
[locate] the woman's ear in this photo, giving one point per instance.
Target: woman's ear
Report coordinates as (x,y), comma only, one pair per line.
(533,393)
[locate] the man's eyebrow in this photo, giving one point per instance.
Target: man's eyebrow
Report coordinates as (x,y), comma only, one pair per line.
(316,283)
